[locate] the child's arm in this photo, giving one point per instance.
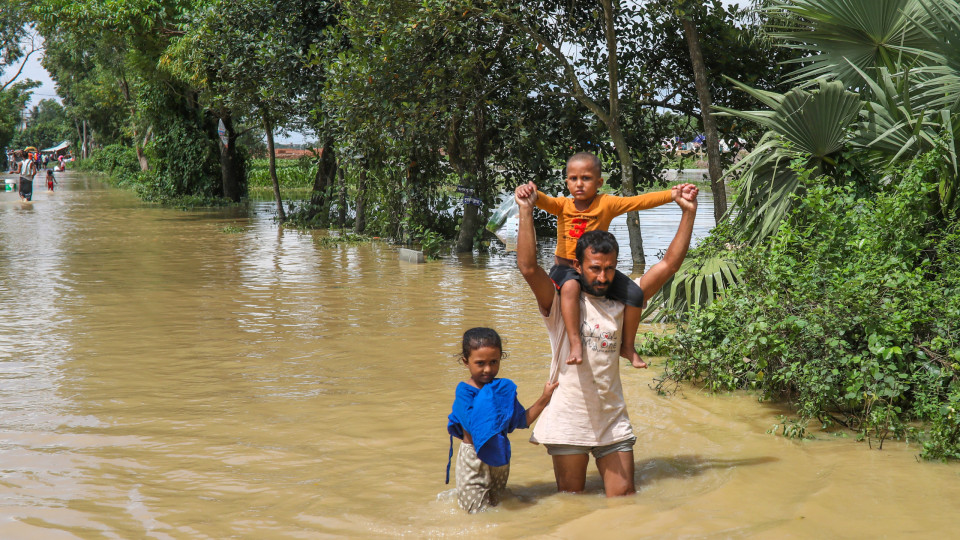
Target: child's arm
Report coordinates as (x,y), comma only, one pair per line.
(622,205)
(543,201)
(534,411)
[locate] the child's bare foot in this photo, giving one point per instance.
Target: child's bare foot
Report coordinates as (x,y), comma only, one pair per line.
(631,354)
(576,353)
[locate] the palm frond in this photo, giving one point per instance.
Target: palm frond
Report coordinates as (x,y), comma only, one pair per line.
(696,283)
(815,123)
(866,33)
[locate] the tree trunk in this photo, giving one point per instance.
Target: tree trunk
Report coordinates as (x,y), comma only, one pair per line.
(629,189)
(342,198)
(272,158)
(141,157)
(83,142)
(326,172)
(471,213)
(612,120)
(229,175)
(468,228)
(360,222)
(709,122)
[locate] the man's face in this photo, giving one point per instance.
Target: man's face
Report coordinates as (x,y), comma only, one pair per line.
(596,271)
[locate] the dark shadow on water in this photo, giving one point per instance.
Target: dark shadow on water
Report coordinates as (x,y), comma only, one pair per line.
(647,471)
(654,469)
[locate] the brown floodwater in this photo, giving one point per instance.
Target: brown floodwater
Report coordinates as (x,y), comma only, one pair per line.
(202,374)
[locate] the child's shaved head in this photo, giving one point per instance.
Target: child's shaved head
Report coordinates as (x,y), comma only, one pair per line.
(586,157)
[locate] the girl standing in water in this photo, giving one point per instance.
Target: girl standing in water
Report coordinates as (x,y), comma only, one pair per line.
(51,181)
(485,410)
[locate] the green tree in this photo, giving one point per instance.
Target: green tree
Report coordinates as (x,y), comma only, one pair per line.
(422,92)
(173,135)
(876,89)
(897,56)
(253,60)
(620,61)
(13,100)
(47,125)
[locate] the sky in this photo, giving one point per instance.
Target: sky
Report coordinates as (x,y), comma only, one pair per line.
(33,70)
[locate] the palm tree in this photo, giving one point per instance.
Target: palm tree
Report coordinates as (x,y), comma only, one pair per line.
(879,81)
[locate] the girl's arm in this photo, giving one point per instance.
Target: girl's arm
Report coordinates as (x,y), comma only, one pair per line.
(534,411)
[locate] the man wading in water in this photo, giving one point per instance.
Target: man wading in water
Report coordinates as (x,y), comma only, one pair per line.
(587,414)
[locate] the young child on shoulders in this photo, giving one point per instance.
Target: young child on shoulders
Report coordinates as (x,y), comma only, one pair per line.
(589,210)
(485,410)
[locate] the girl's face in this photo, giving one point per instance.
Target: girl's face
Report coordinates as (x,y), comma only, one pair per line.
(484,364)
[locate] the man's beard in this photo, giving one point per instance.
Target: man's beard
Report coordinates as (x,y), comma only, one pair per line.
(591,288)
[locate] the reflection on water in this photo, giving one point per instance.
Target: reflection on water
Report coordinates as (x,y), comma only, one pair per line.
(163,378)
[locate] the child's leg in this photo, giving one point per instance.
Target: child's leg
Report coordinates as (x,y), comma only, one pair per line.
(570,310)
(627,291)
(628,349)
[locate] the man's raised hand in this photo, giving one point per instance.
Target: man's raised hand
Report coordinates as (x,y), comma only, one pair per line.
(526,194)
(687,199)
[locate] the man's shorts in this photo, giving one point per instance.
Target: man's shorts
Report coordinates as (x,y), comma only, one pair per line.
(597,451)
(622,289)
(26,188)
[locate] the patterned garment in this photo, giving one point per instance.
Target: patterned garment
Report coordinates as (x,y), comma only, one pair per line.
(587,408)
(478,484)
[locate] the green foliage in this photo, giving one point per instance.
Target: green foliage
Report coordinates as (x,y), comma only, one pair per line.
(116,160)
(843,36)
(290,173)
(698,282)
(13,99)
(655,344)
(431,242)
(852,312)
(943,442)
(332,239)
(887,73)
(47,126)
(119,162)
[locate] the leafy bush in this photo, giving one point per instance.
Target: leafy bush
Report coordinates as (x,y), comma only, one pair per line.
(852,312)
(116,160)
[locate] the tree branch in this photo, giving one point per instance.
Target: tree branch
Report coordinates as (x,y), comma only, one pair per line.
(612,61)
(33,49)
(578,91)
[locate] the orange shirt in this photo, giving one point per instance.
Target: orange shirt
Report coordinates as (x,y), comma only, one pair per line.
(572,223)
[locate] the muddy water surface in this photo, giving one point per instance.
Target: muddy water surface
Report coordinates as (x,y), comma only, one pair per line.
(163,377)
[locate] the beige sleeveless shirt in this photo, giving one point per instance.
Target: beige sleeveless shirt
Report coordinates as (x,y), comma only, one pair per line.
(587,409)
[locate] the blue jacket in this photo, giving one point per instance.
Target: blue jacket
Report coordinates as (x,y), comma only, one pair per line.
(488,414)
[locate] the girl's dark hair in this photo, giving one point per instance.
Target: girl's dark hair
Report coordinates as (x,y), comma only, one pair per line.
(476,338)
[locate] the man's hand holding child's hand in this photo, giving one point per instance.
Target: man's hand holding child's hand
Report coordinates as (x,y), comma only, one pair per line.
(526,194)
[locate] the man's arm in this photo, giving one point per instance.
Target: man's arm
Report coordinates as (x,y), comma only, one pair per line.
(686,197)
(540,283)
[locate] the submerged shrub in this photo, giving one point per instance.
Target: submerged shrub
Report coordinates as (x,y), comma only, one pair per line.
(851,312)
